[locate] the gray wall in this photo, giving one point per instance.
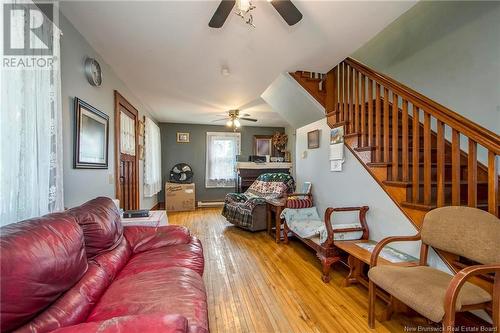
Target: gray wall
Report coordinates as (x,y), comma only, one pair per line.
(82,185)
(194,153)
(448,51)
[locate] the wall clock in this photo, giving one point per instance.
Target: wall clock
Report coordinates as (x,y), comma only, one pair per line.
(93,72)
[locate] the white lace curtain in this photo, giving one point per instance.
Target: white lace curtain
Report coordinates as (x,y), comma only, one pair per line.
(127,135)
(222,148)
(30,138)
(152,158)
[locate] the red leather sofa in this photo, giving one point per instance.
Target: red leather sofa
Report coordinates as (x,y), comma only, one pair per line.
(81,271)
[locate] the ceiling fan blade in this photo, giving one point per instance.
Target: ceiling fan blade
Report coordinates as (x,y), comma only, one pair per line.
(221,13)
(216,120)
(248,119)
(287,10)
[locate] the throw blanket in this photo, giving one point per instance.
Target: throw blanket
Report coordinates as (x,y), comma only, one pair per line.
(307,224)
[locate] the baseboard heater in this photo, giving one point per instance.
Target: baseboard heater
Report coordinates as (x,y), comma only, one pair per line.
(210,204)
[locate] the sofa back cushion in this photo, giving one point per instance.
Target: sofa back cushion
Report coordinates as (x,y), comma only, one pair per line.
(40,260)
(101,224)
(272,185)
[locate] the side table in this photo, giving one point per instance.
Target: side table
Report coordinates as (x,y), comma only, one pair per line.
(275,206)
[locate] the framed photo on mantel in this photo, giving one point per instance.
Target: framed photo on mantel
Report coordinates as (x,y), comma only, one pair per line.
(91,137)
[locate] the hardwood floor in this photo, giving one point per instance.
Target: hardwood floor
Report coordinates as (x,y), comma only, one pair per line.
(256,285)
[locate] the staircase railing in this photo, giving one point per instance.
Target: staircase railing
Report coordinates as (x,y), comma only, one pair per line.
(397,123)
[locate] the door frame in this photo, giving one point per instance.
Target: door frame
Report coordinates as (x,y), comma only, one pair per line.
(120,101)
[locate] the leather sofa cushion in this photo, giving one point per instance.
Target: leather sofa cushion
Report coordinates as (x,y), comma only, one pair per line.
(132,324)
(74,306)
(182,255)
(101,224)
(143,239)
(174,290)
(113,261)
(40,259)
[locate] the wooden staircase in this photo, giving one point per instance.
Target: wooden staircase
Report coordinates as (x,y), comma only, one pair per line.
(421,153)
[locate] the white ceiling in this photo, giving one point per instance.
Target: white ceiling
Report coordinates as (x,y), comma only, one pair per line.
(168,56)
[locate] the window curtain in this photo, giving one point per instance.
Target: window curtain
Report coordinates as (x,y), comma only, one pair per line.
(31,174)
(222,148)
(127,135)
(152,158)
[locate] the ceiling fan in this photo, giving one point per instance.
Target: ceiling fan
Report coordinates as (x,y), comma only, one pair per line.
(285,8)
(233,118)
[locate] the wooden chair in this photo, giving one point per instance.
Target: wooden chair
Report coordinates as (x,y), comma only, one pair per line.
(467,232)
(326,251)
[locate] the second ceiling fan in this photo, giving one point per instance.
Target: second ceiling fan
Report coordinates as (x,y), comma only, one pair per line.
(285,8)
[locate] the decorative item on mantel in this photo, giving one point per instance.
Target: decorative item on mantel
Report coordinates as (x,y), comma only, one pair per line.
(279,141)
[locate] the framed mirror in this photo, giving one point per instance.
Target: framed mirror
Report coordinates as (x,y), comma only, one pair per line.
(91,137)
(263,145)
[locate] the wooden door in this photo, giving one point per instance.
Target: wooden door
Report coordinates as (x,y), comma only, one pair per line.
(126,153)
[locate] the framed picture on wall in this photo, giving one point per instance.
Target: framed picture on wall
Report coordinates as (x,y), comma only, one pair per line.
(182,137)
(263,145)
(313,139)
(91,137)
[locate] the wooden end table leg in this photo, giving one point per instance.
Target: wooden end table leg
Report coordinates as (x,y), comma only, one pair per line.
(278,223)
(268,219)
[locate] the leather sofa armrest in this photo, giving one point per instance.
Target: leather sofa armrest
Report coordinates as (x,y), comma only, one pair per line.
(132,324)
(143,239)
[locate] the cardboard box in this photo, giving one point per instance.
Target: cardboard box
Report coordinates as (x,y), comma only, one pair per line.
(179,197)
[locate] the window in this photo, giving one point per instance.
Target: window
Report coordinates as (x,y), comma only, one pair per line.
(152,159)
(222,148)
(31,135)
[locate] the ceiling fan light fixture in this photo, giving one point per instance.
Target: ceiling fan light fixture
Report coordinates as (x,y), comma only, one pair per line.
(229,123)
(237,123)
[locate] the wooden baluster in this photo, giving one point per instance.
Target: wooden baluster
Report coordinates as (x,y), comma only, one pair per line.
(351,100)
(404,150)
(341,91)
(363,115)
(440,163)
(455,168)
(472,174)
(492,183)
(370,113)
(416,155)
(356,106)
(395,136)
(346,95)
(386,126)
(330,92)
(336,92)
(378,125)
(427,158)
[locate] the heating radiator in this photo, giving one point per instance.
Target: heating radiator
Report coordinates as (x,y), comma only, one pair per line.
(210,203)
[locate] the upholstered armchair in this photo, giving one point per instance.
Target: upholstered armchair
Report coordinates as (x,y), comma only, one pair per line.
(249,210)
(467,232)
